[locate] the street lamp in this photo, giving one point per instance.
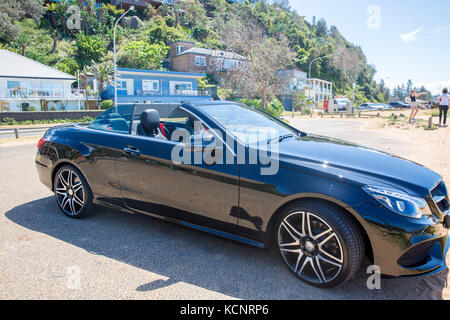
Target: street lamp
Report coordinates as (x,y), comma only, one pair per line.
(310,64)
(115,55)
(309,73)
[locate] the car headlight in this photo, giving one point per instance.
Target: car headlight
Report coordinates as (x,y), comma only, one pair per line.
(399,202)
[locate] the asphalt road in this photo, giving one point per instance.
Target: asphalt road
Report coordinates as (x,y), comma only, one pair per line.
(124,256)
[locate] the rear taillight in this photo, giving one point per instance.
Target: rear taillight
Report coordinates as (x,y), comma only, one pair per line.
(41,142)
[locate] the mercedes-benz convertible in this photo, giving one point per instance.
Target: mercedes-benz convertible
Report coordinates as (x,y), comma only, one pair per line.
(236,172)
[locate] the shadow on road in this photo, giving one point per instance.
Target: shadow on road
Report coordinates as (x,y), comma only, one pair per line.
(212,263)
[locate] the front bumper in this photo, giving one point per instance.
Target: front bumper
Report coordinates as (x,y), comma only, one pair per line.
(404,247)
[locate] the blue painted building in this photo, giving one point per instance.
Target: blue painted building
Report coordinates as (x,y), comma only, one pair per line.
(149,86)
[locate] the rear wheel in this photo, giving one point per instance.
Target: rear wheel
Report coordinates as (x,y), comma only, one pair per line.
(72,192)
(319,243)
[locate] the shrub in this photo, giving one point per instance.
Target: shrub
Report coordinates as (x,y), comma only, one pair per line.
(306,111)
(143,55)
(106,104)
(274,107)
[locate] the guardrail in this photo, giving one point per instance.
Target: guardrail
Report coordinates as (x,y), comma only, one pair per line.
(17,131)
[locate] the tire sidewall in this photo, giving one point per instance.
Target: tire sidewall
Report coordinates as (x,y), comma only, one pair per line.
(86,189)
(314,208)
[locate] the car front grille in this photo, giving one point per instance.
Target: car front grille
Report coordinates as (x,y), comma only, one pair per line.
(417,255)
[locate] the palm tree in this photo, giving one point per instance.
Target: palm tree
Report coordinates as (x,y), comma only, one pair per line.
(103,72)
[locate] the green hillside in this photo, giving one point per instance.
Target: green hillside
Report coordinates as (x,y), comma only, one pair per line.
(40,31)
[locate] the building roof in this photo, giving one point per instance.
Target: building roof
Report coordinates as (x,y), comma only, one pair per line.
(162,73)
(13,65)
(213,53)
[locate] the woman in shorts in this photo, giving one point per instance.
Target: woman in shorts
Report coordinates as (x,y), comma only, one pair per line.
(414,106)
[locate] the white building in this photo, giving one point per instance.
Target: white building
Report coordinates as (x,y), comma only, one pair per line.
(26,84)
(317,90)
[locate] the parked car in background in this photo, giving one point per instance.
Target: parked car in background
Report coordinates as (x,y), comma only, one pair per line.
(399,105)
(387,106)
(371,107)
(340,104)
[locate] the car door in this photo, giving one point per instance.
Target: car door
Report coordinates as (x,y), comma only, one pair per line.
(151,183)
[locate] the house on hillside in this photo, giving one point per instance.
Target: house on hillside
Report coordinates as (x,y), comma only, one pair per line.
(26,84)
(185,57)
(296,81)
(150,86)
(139,4)
(242,1)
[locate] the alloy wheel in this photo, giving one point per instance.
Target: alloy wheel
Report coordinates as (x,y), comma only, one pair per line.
(310,247)
(70,192)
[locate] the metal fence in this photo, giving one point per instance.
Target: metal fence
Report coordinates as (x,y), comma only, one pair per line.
(17,132)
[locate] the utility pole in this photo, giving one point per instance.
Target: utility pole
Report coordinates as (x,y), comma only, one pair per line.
(115,55)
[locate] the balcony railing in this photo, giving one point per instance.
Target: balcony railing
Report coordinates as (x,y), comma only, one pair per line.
(23,93)
(46,94)
(179,92)
(80,94)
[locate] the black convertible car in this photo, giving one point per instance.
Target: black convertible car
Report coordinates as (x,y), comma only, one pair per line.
(324,203)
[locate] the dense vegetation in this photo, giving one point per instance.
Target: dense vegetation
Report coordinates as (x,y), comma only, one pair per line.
(43,34)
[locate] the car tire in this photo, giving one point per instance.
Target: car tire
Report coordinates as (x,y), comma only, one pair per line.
(319,243)
(72,192)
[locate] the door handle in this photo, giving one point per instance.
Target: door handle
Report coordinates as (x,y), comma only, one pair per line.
(132,151)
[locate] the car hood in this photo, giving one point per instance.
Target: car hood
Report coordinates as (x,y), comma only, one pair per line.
(355,163)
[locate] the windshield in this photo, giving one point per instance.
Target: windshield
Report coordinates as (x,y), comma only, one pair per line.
(247,124)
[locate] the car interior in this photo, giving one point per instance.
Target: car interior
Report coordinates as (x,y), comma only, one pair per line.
(145,121)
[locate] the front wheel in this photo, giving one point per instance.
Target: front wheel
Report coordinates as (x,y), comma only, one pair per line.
(319,243)
(72,192)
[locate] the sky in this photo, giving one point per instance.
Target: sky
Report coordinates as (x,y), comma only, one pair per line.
(404,39)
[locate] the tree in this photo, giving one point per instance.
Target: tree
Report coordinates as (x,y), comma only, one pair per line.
(299,101)
(14,10)
(266,56)
(89,48)
(321,28)
(103,72)
(143,55)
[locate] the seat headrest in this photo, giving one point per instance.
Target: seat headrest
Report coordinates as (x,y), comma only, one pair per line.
(150,120)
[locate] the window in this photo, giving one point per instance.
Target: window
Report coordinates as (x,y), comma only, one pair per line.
(178,119)
(180,88)
(114,120)
(13,84)
(183,86)
(125,87)
(251,126)
(150,85)
(50,88)
(200,61)
(180,49)
(121,84)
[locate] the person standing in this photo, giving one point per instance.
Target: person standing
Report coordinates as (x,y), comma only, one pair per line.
(443,107)
(414,106)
